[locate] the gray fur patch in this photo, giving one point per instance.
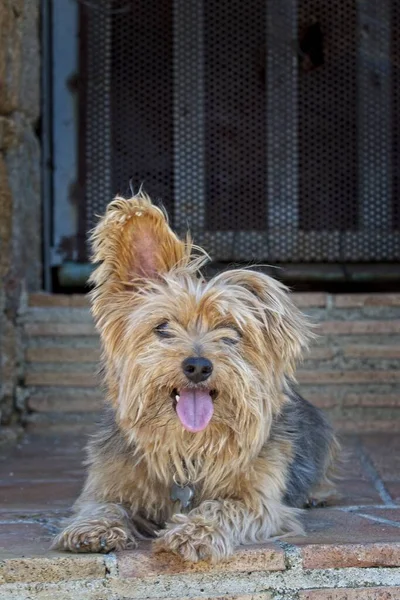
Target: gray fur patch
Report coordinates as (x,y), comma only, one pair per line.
(311,437)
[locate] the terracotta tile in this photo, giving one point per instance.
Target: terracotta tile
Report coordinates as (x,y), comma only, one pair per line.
(350,466)
(394,491)
(142,563)
(49,515)
(334,526)
(354,484)
(386,514)
(35,495)
(384,451)
(379,593)
(356,492)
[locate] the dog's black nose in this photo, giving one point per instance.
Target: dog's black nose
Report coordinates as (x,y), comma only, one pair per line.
(197,369)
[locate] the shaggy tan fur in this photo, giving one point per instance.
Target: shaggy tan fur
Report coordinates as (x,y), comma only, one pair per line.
(146,276)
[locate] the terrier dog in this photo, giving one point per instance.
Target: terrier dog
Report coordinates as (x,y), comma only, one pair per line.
(205,444)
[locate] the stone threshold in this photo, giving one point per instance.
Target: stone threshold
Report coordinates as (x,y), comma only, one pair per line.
(368,571)
(351,550)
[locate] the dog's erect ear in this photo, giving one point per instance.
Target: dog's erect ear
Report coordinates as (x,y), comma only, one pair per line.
(286,329)
(133,241)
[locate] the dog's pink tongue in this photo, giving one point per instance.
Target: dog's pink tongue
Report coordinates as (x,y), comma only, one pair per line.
(195,409)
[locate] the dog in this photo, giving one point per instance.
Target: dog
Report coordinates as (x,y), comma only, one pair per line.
(204,445)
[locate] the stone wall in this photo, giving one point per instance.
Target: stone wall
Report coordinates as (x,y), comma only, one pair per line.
(20,205)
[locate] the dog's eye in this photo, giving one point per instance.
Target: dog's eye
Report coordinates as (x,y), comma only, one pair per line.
(230,341)
(162,330)
(235,339)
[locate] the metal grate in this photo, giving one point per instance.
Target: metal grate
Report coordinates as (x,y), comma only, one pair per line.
(235,116)
(327,97)
(395,41)
(270,128)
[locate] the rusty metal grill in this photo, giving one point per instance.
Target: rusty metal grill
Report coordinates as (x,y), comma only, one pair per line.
(270,128)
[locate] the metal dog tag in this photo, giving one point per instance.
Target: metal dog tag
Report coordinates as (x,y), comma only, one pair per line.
(183,494)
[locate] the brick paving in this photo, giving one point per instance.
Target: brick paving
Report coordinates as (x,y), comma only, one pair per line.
(358,537)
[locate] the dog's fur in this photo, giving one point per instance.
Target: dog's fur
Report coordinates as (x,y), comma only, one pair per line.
(265,453)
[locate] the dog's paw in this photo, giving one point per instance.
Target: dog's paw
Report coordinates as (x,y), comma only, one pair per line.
(93,536)
(193,538)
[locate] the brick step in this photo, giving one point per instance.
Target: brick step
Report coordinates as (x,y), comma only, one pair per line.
(83,378)
(352,369)
(63,400)
(302,299)
(355,421)
(63,355)
(63,408)
(51,423)
(53,399)
(78,354)
(54,328)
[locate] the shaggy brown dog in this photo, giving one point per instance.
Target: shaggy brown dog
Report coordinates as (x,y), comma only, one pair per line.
(205,444)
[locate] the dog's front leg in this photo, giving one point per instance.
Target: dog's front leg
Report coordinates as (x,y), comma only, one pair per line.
(97,527)
(216,527)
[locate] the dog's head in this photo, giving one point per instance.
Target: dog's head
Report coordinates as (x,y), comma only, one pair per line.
(182,353)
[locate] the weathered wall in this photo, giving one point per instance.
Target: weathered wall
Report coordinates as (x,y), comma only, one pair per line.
(20,220)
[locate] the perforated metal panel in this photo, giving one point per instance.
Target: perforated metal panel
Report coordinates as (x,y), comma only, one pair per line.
(395,41)
(327,134)
(269,128)
(235,115)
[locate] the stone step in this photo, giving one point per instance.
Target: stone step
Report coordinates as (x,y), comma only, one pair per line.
(352,370)
(71,423)
(77,399)
(61,377)
(55,329)
(65,401)
(78,354)
(302,300)
(38,328)
(63,355)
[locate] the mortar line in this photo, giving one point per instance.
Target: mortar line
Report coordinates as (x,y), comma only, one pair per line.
(356,507)
(379,520)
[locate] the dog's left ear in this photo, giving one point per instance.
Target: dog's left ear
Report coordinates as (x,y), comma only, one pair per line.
(286,329)
(134,243)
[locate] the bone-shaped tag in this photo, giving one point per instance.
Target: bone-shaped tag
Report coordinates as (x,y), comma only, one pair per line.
(183,494)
